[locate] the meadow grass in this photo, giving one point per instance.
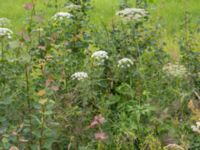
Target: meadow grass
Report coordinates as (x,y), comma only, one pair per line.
(169,13)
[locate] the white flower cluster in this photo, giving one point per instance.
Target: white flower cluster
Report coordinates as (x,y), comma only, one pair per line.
(62,15)
(125,63)
(5,32)
(79,76)
(72,7)
(173,147)
(132,14)
(100,57)
(175,70)
(196,128)
(4,22)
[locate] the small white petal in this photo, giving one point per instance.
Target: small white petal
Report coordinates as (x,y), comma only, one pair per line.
(79,76)
(125,63)
(5,32)
(62,15)
(132,13)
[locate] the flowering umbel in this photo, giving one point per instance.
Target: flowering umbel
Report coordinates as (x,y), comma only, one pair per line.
(125,63)
(62,15)
(132,14)
(79,76)
(100,57)
(5,32)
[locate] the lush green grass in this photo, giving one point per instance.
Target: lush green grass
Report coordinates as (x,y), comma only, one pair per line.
(14,10)
(169,13)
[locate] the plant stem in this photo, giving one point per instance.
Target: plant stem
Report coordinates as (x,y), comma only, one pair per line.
(42,128)
(2,61)
(2,51)
(56,4)
(28,99)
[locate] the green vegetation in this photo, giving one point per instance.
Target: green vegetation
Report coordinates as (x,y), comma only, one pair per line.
(169,12)
(97,75)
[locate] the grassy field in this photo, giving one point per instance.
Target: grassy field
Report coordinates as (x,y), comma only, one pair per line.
(169,13)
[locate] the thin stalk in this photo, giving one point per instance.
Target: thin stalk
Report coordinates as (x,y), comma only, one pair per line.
(28,99)
(39,36)
(33,10)
(31,18)
(56,4)
(2,60)
(42,128)
(2,51)
(99,146)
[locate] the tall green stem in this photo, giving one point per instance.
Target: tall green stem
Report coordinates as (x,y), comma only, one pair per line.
(28,99)
(2,51)
(56,4)
(42,127)
(2,61)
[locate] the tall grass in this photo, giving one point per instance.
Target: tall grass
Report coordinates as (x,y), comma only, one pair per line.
(169,13)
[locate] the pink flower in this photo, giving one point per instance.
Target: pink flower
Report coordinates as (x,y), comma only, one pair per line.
(101,136)
(28,6)
(98,120)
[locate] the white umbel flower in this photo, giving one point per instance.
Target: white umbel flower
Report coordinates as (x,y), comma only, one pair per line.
(79,76)
(173,147)
(132,14)
(100,57)
(5,32)
(125,63)
(72,7)
(4,22)
(196,128)
(62,15)
(175,70)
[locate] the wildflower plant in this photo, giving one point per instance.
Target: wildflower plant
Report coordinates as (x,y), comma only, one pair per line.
(5,33)
(100,57)
(62,16)
(79,76)
(132,14)
(125,63)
